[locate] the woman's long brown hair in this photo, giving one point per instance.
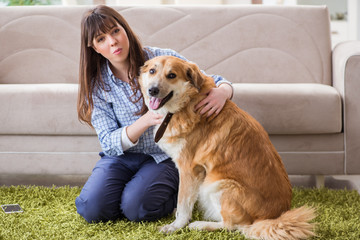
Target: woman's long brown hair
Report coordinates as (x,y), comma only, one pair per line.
(100,20)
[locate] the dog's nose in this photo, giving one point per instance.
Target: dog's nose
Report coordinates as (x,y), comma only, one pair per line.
(154,91)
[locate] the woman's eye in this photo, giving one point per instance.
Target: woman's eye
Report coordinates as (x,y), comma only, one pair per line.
(171,75)
(117,30)
(100,39)
(152,71)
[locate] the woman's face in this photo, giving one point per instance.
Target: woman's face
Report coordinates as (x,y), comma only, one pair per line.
(113,45)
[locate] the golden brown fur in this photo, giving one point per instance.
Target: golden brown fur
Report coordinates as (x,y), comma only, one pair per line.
(229,159)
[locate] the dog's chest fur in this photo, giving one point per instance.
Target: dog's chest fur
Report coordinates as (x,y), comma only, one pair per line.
(174,148)
(180,126)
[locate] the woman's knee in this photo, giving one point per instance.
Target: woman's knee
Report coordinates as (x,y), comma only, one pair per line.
(147,208)
(99,199)
(96,209)
(90,214)
(151,194)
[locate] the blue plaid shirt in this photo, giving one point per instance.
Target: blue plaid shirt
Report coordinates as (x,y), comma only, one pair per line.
(113,111)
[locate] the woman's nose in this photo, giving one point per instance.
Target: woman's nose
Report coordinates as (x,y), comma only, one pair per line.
(112,40)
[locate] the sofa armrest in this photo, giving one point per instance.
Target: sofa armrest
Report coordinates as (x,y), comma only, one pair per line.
(346,79)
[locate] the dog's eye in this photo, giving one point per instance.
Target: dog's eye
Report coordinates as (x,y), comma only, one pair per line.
(152,71)
(171,75)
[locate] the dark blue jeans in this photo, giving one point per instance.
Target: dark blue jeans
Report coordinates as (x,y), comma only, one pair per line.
(131,185)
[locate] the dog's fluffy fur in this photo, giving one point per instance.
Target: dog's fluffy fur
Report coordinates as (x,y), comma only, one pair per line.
(227,161)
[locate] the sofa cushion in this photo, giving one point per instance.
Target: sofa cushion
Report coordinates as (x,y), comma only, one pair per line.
(263,44)
(48,109)
(292,108)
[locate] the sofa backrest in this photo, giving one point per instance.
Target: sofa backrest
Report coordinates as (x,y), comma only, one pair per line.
(245,44)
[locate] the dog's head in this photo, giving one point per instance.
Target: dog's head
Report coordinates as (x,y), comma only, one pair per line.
(169,83)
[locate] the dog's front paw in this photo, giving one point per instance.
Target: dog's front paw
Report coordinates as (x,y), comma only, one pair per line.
(203,225)
(170,228)
(196,225)
(177,224)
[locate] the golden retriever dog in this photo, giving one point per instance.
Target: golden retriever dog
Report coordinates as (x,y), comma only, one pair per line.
(227,162)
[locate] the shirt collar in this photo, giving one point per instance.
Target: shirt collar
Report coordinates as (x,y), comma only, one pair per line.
(109,72)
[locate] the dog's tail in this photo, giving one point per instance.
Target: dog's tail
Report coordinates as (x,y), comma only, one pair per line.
(292,225)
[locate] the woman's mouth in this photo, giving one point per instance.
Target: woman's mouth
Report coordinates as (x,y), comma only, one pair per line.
(117,51)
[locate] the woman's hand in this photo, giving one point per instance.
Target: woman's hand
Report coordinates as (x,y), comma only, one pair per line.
(135,130)
(215,100)
(151,118)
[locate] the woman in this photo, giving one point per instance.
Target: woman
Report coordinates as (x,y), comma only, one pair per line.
(133,178)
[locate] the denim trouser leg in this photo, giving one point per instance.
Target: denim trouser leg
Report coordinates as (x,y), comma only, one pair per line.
(131,185)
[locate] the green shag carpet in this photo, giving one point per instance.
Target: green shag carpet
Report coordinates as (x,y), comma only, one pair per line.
(50,213)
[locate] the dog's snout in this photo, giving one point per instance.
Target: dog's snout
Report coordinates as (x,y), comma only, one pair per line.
(154,91)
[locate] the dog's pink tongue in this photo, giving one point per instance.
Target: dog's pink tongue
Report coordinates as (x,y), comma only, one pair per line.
(154,103)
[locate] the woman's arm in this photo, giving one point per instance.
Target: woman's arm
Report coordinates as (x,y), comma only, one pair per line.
(115,139)
(135,130)
(107,128)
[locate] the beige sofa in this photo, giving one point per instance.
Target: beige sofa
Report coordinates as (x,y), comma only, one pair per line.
(279,58)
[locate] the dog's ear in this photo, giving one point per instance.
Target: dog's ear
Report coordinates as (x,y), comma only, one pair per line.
(194,75)
(142,68)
